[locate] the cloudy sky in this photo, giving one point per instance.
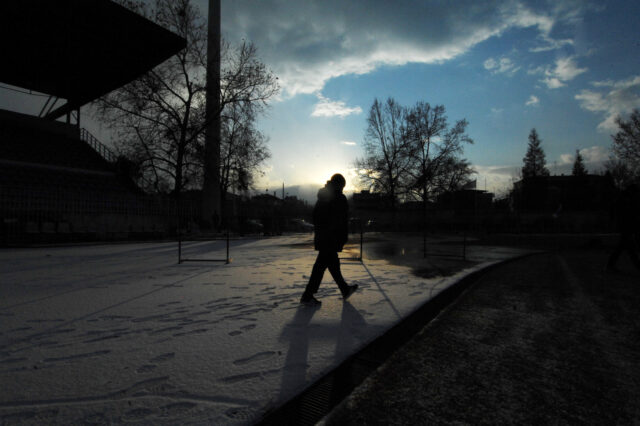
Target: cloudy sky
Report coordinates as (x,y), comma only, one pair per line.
(567,68)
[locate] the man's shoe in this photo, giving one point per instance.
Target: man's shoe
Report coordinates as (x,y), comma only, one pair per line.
(351,289)
(310,301)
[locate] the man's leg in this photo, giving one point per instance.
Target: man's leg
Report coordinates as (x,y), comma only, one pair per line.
(316,276)
(333,262)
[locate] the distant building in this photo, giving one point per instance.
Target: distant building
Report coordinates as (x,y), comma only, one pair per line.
(266,200)
(366,200)
(568,193)
(415,206)
(466,201)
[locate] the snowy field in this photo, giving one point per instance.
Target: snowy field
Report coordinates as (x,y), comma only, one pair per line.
(124,334)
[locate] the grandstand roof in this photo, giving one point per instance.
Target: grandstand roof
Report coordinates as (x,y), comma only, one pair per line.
(78,50)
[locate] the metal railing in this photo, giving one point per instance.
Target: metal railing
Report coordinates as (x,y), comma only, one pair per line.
(98,146)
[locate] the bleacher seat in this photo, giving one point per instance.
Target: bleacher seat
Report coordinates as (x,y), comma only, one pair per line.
(25,142)
(57,188)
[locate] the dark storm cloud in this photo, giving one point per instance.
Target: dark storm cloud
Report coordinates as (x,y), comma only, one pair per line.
(307,43)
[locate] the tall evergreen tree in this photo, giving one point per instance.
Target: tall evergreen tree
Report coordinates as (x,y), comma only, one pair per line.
(578,165)
(534,160)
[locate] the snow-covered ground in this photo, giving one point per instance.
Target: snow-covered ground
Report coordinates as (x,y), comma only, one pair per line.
(123,333)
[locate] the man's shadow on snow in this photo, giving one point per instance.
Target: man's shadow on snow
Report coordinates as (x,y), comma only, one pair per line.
(299,332)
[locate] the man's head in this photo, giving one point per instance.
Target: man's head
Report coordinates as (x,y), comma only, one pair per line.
(338,182)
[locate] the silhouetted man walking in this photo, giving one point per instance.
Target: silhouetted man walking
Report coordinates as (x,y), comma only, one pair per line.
(330,222)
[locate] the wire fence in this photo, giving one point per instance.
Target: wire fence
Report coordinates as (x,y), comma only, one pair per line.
(31,215)
(98,211)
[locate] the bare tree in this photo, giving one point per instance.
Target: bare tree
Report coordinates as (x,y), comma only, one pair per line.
(619,172)
(626,142)
(413,153)
(435,149)
(387,158)
(159,119)
(455,174)
(243,149)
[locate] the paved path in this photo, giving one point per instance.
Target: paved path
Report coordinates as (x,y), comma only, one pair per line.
(549,339)
(112,334)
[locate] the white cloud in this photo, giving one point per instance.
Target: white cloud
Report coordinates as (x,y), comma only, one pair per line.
(569,12)
(616,98)
(595,154)
(551,44)
(565,69)
(350,143)
(553,82)
(533,101)
(594,158)
(496,179)
(566,159)
(538,70)
(503,65)
(524,18)
(308,43)
(490,64)
(327,108)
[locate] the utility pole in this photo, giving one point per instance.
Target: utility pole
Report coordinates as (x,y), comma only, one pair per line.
(211,211)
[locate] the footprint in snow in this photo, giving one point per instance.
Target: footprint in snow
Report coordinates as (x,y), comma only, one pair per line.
(260,356)
(163,357)
(146,368)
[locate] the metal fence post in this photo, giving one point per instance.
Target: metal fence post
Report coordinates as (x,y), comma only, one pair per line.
(464,245)
(179,246)
(227,245)
(361,239)
(177,210)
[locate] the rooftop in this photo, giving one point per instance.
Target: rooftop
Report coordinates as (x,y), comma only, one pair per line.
(78,50)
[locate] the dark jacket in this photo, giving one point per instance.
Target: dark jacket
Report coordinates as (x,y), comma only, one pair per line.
(330,219)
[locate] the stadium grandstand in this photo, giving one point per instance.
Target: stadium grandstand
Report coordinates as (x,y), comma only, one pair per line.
(57,181)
